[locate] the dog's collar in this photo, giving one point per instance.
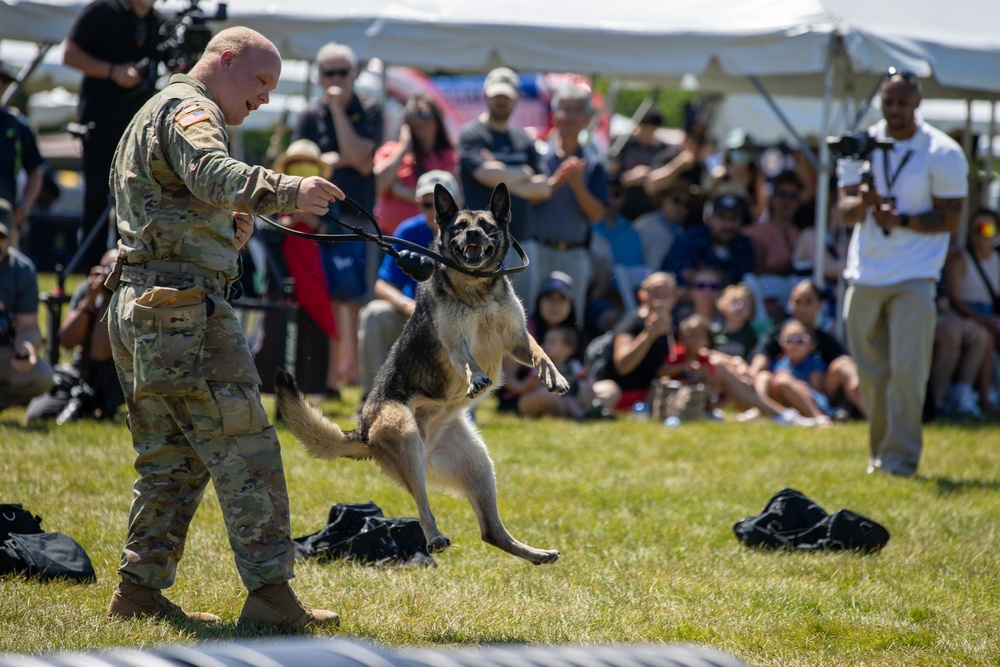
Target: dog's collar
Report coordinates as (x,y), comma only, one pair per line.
(412,266)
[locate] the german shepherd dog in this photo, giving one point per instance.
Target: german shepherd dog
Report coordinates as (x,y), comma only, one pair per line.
(415,422)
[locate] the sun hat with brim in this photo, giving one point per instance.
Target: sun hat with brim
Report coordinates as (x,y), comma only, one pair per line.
(302,150)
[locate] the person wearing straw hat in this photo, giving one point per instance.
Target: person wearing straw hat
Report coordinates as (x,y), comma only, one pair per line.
(303,257)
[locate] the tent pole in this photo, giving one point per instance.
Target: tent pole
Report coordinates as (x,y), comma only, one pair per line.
(644,106)
(765,93)
(963,227)
(823,177)
(988,160)
(26,71)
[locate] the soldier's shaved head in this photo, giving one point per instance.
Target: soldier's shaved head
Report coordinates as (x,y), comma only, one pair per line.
(241,67)
(238,39)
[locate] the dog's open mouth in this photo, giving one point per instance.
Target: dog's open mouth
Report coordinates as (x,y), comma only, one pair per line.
(475,253)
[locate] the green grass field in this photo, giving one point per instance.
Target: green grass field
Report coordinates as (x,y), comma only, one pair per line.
(642,514)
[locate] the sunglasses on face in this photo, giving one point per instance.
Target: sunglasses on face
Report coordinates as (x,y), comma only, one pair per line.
(420,114)
(785,194)
(335,72)
(796,339)
(427,205)
(707,286)
(986,229)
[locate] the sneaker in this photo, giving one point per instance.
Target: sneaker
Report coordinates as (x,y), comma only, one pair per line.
(967,402)
(788,416)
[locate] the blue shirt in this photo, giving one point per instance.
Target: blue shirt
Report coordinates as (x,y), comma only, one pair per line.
(559,217)
(696,248)
(803,370)
(414,230)
(18,150)
(626,247)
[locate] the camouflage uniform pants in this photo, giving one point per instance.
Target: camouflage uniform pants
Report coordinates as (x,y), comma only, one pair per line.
(222,434)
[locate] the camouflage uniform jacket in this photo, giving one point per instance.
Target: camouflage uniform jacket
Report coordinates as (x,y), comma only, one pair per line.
(176,185)
(176,188)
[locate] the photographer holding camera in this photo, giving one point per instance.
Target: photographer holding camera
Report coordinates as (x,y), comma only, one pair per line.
(107,43)
(89,387)
(901,186)
(23,375)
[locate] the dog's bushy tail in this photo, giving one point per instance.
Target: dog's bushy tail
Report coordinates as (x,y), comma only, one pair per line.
(321,437)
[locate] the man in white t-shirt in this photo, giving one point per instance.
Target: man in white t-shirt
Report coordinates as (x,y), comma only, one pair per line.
(902,226)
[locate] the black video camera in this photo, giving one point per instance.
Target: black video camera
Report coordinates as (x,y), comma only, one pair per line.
(183,37)
(855,145)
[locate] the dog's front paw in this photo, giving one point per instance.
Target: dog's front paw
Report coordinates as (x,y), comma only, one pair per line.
(480,382)
(438,544)
(554,381)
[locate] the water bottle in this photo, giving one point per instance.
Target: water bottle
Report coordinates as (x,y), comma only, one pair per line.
(640,411)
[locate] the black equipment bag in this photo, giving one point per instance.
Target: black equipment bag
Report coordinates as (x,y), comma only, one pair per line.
(26,549)
(791,520)
(15,519)
(47,556)
(359,532)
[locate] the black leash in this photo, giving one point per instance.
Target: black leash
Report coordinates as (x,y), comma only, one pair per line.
(414,259)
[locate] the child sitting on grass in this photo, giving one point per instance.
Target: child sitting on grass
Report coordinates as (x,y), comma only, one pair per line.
(735,336)
(799,374)
(586,399)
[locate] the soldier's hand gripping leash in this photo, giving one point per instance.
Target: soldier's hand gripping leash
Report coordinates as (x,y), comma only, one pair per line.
(414,260)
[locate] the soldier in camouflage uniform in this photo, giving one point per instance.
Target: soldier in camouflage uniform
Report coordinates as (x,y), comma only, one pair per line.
(190,383)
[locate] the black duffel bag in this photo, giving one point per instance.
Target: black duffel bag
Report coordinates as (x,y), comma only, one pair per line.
(26,549)
(791,520)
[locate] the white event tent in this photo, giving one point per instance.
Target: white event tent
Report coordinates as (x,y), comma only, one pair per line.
(830,49)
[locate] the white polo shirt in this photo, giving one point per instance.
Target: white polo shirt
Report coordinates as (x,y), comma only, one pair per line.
(933,166)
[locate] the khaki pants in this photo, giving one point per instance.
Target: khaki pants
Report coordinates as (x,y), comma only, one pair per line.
(890,331)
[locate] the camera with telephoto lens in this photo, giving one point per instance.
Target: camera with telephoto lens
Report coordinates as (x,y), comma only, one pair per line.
(184,36)
(82,402)
(182,39)
(855,145)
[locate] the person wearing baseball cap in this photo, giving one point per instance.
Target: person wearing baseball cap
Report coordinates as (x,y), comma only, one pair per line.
(426,183)
(493,150)
(18,151)
(718,243)
(502,81)
(382,319)
(23,373)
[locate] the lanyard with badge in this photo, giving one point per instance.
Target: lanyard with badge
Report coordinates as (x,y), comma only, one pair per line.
(891,177)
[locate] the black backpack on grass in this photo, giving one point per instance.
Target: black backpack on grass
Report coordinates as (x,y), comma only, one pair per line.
(26,549)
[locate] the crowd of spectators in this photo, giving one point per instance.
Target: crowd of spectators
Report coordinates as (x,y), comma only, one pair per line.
(730,243)
(733,245)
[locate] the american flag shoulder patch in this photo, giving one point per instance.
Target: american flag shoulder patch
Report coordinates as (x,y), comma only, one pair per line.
(192,117)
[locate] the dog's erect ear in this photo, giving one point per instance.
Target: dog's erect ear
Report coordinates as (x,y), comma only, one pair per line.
(445,207)
(500,205)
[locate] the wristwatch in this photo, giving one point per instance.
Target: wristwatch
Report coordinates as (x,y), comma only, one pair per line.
(904,220)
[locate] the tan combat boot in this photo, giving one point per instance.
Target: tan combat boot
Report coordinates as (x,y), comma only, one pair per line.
(275,605)
(135,601)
